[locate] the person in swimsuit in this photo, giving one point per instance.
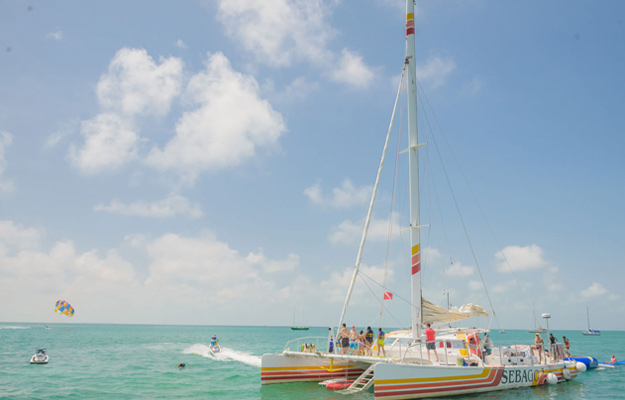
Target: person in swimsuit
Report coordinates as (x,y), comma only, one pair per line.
(381,341)
(353,340)
(361,343)
(613,360)
(538,343)
(567,344)
(344,335)
(369,340)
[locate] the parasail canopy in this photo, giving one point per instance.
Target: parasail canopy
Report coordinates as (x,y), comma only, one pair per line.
(64,308)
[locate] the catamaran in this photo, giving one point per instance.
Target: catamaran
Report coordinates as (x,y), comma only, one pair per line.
(462,364)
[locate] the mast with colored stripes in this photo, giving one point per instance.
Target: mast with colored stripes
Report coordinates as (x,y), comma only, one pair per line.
(413,146)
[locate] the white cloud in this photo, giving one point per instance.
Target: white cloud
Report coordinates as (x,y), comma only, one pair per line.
(181,44)
(270,266)
(435,71)
(171,206)
(278,31)
(298,89)
(475,285)
(65,129)
(349,232)
(58,35)
(15,237)
(460,270)
(281,32)
(135,84)
(110,142)
(183,276)
(594,290)
(347,195)
(351,69)
(229,125)
(521,258)
(5,141)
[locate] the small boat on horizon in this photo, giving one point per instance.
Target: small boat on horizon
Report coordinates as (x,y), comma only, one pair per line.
(298,327)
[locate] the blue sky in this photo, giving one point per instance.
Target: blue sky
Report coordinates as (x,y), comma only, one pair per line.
(211,162)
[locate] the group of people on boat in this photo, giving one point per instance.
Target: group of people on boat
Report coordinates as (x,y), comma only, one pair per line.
(352,342)
(539,347)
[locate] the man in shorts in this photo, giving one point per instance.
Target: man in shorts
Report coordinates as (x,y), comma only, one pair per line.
(430,341)
(344,335)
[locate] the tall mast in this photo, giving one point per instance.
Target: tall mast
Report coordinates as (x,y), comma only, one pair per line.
(413,146)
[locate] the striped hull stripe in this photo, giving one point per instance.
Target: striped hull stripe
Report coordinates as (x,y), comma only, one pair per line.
(306,374)
(492,379)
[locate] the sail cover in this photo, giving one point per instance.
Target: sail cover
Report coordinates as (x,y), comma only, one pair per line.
(435,314)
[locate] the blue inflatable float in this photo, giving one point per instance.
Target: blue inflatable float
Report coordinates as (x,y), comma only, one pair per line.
(590,362)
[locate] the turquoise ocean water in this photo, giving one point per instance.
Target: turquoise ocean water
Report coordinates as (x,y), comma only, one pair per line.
(141,362)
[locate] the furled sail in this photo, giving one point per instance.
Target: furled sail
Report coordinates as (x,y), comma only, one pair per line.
(435,314)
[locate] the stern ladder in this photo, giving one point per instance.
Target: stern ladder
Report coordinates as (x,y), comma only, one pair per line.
(362,383)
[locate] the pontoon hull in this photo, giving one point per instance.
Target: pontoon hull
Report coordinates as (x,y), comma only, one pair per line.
(406,381)
(279,368)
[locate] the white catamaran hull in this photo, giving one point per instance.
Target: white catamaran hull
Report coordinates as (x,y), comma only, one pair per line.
(278,368)
(404,381)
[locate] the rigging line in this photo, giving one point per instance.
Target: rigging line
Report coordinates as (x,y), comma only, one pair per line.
(394,294)
(360,275)
(395,187)
(464,227)
(483,214)
(373,195)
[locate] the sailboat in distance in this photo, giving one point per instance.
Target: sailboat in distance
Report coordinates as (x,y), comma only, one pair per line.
(590,332)
(417,364)
(537,327)
(298,327)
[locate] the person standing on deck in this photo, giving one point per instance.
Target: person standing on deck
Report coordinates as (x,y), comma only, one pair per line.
(381,342)
(361,344)
(567,344)
(369,340)
(353,340)
(539,343)
(488,345)
(344,336)
(430,341)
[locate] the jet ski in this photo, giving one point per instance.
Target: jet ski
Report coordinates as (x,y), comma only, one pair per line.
(40,357)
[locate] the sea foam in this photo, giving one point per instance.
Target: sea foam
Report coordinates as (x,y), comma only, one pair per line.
(226,354)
